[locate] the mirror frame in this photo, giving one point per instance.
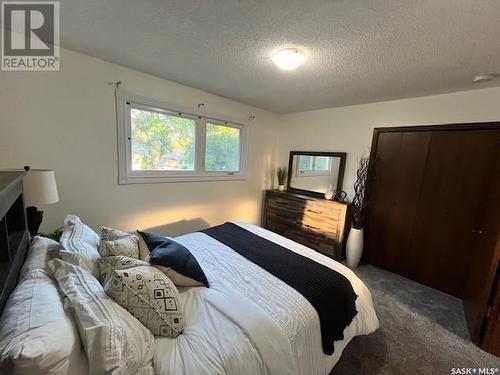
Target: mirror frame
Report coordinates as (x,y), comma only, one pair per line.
(341,155)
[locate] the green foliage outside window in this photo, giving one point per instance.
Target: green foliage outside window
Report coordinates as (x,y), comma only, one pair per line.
(162,142)
(223,148)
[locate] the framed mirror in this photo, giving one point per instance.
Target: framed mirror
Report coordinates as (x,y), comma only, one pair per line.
(312,172)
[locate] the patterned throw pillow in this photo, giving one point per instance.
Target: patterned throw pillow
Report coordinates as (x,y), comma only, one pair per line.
(127,246)
(148,295)
(116,242)
(117,262)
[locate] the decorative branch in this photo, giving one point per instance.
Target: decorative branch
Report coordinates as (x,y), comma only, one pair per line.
(359,200)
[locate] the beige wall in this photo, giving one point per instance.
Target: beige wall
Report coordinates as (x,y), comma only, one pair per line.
(66,121)
(350,128)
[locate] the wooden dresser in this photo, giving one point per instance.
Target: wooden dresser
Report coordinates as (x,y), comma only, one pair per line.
(314,222)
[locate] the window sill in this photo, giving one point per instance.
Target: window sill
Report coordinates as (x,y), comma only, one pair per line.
(312,174)
(126,180)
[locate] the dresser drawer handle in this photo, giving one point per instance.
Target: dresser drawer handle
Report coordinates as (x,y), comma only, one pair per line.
(310,226)
(278,202)
(314,211)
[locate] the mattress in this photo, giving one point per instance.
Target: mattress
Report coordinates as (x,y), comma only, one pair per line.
(250,322)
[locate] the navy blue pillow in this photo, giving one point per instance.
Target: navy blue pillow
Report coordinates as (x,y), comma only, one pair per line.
(166,252)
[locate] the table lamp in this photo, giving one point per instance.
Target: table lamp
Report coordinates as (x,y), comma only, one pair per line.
(40,188)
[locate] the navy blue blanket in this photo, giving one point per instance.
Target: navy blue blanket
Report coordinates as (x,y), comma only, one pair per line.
(328,291)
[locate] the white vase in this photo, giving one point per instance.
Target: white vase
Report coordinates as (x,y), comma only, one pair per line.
(354,247)
(281,187)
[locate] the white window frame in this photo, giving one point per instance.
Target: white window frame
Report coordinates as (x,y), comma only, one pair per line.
(128,176)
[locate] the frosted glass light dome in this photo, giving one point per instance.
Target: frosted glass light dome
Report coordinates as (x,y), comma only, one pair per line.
(288,58)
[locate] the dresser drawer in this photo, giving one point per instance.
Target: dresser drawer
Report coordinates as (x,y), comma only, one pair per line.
(281,217)
(282,210)
(282,228)
(316,223)
(317,207)
(287,205)
(326,209)
(316,241)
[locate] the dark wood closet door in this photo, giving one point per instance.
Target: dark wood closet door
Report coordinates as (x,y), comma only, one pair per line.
(490,340)
(452,198)
(397,174)
(482,288)
(428,189)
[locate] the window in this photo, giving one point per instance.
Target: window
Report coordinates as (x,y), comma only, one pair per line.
(160,145)
(313,165)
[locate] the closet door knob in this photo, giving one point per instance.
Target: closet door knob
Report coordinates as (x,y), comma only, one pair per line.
(477,231)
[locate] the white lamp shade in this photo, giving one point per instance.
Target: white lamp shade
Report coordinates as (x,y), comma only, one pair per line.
(40,187)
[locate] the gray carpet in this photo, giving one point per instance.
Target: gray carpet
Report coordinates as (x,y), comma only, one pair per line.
(422,331)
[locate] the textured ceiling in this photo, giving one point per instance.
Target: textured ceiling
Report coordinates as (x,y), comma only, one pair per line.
(357,51)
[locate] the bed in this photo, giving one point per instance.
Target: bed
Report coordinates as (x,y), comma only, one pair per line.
(242,296)
(249,321)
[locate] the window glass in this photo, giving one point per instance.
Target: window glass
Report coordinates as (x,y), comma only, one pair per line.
(306,163)
(322,163)
(161,141)
(222,152)
(314,164)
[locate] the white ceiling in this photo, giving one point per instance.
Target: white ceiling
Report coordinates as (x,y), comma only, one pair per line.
(357,51)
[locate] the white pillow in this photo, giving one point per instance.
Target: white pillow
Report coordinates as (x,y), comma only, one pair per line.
(41,250)
(83,260)
(115,342)
(148,295)
(143,249)
(81,245)
(37,336)
(116,242)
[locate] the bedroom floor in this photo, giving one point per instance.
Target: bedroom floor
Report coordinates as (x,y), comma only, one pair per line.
(423,331)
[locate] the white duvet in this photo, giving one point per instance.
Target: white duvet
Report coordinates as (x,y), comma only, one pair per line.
(250,322)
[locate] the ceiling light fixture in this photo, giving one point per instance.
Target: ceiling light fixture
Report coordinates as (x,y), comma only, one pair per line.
(288,58)
(485,77)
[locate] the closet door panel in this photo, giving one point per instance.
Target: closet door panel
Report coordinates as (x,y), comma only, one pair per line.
(483,268)
(452,195)
(398,172)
